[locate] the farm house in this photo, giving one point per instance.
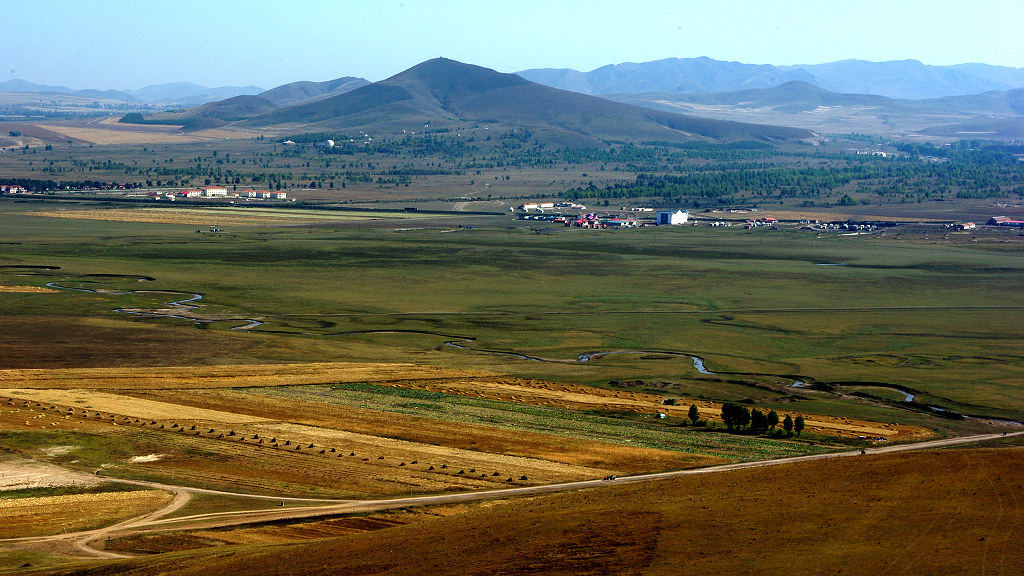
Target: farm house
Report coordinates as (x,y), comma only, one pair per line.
(670,218)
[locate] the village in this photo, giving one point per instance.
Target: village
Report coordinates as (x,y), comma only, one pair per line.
(221,192)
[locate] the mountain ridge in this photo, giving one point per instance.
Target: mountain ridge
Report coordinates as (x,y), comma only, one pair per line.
(906,79)
(446,93)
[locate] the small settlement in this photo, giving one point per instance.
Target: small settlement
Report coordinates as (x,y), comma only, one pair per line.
(220,192)
(595,220)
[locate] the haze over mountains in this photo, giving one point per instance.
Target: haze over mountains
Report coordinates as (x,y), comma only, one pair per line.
(906,79)
(177,93)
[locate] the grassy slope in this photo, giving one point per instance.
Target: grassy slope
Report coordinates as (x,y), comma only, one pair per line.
(952,512)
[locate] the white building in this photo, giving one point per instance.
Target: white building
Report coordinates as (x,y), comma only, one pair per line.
(211,191)
(673,218)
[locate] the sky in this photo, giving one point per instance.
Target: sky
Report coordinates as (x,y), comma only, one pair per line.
(123,44)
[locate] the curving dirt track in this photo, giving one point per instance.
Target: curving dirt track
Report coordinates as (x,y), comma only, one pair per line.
(83,543)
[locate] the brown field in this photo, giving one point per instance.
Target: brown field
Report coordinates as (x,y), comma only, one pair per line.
(55,514)
(941,512)
(110,131)
(28,290)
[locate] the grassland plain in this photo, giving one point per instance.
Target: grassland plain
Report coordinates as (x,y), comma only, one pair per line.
(936,316)
(947,512)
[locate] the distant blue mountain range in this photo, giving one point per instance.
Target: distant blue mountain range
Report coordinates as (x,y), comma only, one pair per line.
(179,93)
(905,79)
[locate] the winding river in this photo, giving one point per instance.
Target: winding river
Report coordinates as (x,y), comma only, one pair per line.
(181,304)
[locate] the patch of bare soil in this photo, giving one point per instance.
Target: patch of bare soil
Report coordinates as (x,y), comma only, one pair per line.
(20,473)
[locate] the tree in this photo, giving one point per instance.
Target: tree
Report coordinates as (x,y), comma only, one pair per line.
(735,415)
(742,416)
(798,425)
(694,414)
(758,421)
(728,412)
(787,424)
(773,419)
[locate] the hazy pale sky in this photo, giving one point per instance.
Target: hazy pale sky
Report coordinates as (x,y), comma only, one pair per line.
(124,44)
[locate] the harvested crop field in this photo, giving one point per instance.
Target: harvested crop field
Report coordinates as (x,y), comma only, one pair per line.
(85,400)
(434,431)
(55,514)
(223,376)
(110,131)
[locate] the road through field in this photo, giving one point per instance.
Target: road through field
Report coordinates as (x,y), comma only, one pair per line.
(82,543)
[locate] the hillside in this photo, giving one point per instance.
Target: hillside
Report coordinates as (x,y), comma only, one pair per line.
(210,115)
(296,92)
(908,79)
(950,512)
(444,93)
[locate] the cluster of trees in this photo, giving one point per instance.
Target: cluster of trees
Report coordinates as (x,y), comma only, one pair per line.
(34,185)
(736,417)
(986,172)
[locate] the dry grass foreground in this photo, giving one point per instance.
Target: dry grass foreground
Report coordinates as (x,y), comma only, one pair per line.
(463,382)
(943,512)
(47,515)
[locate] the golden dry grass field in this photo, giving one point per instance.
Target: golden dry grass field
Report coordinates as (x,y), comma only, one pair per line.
(108,131)
(27,290)
(46,515)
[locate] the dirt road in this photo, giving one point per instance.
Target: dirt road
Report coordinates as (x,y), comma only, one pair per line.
(83,543)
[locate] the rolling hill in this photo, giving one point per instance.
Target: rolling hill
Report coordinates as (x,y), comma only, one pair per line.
(445,93)
(297,92)
(211,115)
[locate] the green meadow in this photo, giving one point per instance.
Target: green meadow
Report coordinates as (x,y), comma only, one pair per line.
(937,314)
